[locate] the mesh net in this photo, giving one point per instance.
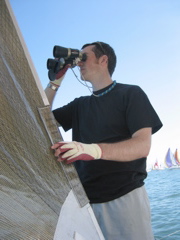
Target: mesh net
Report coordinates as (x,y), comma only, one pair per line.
(33,185)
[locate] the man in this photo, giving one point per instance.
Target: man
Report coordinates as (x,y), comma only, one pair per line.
(111,131)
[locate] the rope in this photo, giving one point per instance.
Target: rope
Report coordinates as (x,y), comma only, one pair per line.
(86,85)
(81,81)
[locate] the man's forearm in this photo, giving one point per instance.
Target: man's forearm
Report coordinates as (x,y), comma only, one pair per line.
(55,84)
(50,93)
(136,147)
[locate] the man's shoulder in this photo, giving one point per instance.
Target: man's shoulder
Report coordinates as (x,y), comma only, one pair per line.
(128,88)
(80,100)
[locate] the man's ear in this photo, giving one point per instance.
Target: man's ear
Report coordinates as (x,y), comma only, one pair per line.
(104,59)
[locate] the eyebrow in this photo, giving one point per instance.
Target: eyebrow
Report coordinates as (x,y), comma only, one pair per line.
(86,53)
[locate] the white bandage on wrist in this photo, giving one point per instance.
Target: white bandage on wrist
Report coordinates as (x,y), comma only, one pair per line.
(53,87)
(97,152)
(58,82)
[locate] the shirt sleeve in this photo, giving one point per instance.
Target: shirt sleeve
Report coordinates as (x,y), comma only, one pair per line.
(63,116)
(139,111)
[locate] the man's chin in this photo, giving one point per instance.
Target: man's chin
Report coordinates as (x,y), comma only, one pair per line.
(83,78)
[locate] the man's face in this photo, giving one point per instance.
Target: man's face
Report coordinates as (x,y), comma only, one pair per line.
(90,68)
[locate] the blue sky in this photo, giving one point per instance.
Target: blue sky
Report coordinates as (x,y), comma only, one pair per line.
(145,35)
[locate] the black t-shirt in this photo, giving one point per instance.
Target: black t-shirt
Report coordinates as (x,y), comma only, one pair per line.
(110,118)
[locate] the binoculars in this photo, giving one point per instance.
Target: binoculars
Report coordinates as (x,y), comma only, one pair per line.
(62,57)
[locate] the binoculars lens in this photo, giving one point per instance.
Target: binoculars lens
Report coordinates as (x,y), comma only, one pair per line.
(65,52)
(51,63)
(62,57)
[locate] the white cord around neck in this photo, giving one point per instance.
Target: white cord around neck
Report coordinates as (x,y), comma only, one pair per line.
(86,85)
(89,88)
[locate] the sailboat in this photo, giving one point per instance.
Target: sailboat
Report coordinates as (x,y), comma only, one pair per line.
(157,165)
(170,160)
(177,157)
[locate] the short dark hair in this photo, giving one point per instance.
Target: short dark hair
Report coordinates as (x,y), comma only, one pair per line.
(101,49)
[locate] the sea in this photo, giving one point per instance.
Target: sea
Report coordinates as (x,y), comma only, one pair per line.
(163,188)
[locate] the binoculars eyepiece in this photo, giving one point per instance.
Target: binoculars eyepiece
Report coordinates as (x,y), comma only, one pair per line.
(62,57)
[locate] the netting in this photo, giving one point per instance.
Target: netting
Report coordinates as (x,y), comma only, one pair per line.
(33,185)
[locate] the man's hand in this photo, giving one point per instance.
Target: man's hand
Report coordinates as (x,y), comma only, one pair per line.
(60,76)
(73,151)
(53,86)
